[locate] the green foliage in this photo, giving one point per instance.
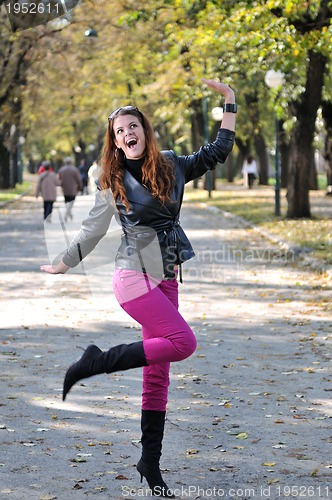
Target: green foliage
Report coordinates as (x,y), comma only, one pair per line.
(154,55)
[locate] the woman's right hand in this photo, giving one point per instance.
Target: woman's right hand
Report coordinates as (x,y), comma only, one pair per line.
(60,268)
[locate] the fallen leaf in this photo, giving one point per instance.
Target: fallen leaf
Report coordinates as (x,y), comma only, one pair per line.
(273,481)
(192,451)
(242,435)
(223,402)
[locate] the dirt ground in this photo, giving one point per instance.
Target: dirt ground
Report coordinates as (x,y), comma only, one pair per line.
(249,414)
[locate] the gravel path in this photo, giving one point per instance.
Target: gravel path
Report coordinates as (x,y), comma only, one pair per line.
(249,413)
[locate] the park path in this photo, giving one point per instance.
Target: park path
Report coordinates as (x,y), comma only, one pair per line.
(249,413)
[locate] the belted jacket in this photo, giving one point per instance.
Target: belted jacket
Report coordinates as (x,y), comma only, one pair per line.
(152,239)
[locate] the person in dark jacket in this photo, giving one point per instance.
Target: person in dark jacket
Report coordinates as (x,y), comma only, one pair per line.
(143,188)
(71,184)
(47,187)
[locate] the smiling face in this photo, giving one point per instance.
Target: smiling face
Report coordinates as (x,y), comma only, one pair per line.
(129,136)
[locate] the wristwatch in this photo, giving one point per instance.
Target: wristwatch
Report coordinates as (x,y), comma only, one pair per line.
(230,108)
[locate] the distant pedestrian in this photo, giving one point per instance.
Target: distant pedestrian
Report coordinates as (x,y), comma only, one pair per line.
(71,184)
(249,171)
(46,186)
(93,175)
(84,169)
(42,168)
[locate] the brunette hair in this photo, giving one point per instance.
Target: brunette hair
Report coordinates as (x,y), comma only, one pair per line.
(157,172)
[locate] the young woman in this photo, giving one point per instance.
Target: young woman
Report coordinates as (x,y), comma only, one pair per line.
(144,188)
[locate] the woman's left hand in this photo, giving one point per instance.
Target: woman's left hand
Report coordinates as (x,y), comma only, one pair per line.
(222,88)
(60,268)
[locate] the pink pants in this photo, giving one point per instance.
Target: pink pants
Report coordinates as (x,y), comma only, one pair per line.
(166,335)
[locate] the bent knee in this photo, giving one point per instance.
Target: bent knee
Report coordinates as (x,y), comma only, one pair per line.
(188,348)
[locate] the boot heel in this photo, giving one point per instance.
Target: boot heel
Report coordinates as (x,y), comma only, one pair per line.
(154,480)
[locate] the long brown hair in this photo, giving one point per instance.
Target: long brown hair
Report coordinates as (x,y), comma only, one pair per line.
(157,172)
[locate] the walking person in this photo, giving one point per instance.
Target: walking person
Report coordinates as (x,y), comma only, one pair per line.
(93,176)
(42,169)
(143,188)
(46,186)
(71,184)
(249,171)
(84,170)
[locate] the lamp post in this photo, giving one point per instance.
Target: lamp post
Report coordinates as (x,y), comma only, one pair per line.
(217,114)
(91,33)
(208,174)
(21,141)
(274,79)
(91,149)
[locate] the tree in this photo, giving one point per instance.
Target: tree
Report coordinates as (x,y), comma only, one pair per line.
(13,51)
(312,27)
(327,117)
(155,54)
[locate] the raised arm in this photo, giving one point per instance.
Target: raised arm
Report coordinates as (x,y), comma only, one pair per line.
(229,118)
(195,165)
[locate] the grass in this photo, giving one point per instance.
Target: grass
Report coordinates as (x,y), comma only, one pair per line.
(10,194)
(257,206)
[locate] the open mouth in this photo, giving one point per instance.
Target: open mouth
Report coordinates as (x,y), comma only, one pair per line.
(131,143)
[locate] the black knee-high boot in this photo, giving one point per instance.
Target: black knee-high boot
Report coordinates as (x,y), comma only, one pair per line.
(153,423)
(94,361)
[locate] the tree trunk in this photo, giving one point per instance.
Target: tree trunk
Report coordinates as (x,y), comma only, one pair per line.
(327,117)
(302,139)
(263,159)
(230,170)
(284,154)
(313,181)
(244,150)
(197,128)
(4,165)
(252,101)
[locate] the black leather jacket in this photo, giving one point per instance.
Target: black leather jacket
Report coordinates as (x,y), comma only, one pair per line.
(152,239)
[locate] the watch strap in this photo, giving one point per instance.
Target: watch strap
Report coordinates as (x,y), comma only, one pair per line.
(230,108)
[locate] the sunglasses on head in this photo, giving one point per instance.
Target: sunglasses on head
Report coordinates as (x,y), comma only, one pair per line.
(123,108)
